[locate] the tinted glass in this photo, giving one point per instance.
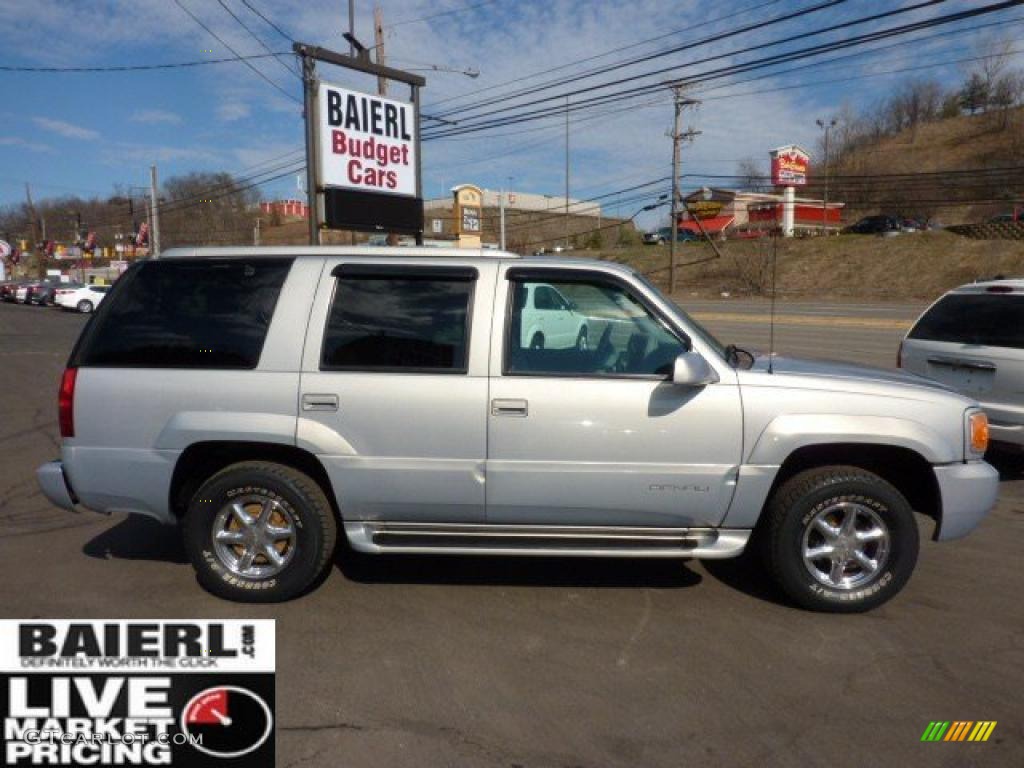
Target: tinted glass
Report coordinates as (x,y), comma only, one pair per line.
(993,320)
(412,323)
(201,313)
(607,331)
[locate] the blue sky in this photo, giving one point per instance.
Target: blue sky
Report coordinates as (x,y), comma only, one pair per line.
(89,133)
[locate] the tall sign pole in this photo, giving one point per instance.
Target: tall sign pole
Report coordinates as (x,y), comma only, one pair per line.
(309,109)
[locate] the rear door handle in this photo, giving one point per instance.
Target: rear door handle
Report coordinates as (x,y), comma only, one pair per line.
(319,402)
(956,362)
(518,408)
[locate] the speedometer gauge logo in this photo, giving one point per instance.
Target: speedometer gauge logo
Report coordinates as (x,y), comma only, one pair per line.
(227,721)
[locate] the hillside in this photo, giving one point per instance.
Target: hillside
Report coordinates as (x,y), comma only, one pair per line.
(910,266)
(991,140)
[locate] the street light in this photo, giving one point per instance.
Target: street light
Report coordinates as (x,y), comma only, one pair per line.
(824,203)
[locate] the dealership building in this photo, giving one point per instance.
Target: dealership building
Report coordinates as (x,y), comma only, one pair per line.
(736,213)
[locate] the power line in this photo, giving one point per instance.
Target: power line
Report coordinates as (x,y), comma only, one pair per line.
(270,23)
(257,38)
(718,37)
(707,75)
(439,14)
(569,65)
(238,56)
(707,59)
(144,67)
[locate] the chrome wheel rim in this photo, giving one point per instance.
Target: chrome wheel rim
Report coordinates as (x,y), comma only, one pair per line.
(845,545)
(254,536)
(581,341)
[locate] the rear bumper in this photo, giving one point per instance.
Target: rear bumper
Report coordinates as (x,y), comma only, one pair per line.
(968,493)
(54,485)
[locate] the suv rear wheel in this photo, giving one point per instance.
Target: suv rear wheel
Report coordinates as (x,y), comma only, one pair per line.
(259,532)
(840,539)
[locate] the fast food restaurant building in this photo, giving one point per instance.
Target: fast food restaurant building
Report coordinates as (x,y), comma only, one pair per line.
(735,213)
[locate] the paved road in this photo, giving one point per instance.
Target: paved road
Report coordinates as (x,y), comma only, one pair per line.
(474,662)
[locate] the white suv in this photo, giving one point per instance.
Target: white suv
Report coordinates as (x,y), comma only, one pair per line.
(397,396)
(972,339)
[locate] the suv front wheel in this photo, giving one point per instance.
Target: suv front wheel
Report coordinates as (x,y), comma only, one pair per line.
(840,539)
(259,532)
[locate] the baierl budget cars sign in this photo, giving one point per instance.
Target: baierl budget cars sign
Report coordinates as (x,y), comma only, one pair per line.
(366,142)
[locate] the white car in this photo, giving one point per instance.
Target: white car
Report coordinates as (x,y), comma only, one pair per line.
(84,299)
(972,339)
(549,320)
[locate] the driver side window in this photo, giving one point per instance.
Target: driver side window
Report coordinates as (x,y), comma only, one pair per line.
(599,329)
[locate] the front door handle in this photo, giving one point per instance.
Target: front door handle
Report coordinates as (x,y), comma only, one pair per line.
(319,402)
(956,362)
(501,407)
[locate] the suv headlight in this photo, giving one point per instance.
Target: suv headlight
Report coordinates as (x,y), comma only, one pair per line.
(975,434)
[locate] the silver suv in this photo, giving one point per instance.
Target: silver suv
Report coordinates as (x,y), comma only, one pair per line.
(418,400)
(972,339)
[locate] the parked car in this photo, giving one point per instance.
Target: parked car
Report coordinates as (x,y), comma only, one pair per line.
(391,393)
(21,291)
(84,299)
(548,320)
(8,290)
(875,225)
(664,234)
(972,339)
(45,292)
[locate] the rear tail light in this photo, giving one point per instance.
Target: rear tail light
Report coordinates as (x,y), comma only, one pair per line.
(66,403)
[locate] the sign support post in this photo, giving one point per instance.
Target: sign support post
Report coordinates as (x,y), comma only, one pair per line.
(312,184)
(346,204)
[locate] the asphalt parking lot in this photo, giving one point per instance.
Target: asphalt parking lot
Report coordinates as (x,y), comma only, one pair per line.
(515,662)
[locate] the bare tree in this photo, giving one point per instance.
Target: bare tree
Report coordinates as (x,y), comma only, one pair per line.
(751,175)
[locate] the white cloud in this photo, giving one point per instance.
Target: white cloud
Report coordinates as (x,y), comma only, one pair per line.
(229,111)
(32,146)
(67,130)
(155,116)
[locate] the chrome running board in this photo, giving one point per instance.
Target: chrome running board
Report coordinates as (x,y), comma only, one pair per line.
(581,541)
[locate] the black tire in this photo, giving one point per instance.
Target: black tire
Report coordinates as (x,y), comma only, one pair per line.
(314,525)
(84,306)
(537,342)
(582,340)
(792,521)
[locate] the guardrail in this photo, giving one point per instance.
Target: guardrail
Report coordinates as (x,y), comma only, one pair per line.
(993,230)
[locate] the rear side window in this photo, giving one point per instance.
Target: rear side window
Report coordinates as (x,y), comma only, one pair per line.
(196,313)
(992,320)
(389,319)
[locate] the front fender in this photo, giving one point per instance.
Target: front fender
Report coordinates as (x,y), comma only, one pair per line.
(788,432)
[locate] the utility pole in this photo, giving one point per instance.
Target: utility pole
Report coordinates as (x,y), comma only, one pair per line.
(679,102)
(256,233)
(154,230)
(33,214)
(566,173)
(382,82)
(378,47)
(501,211)
(352,27)
(824,203)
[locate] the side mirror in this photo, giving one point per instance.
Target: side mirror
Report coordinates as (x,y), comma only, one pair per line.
(692,370)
